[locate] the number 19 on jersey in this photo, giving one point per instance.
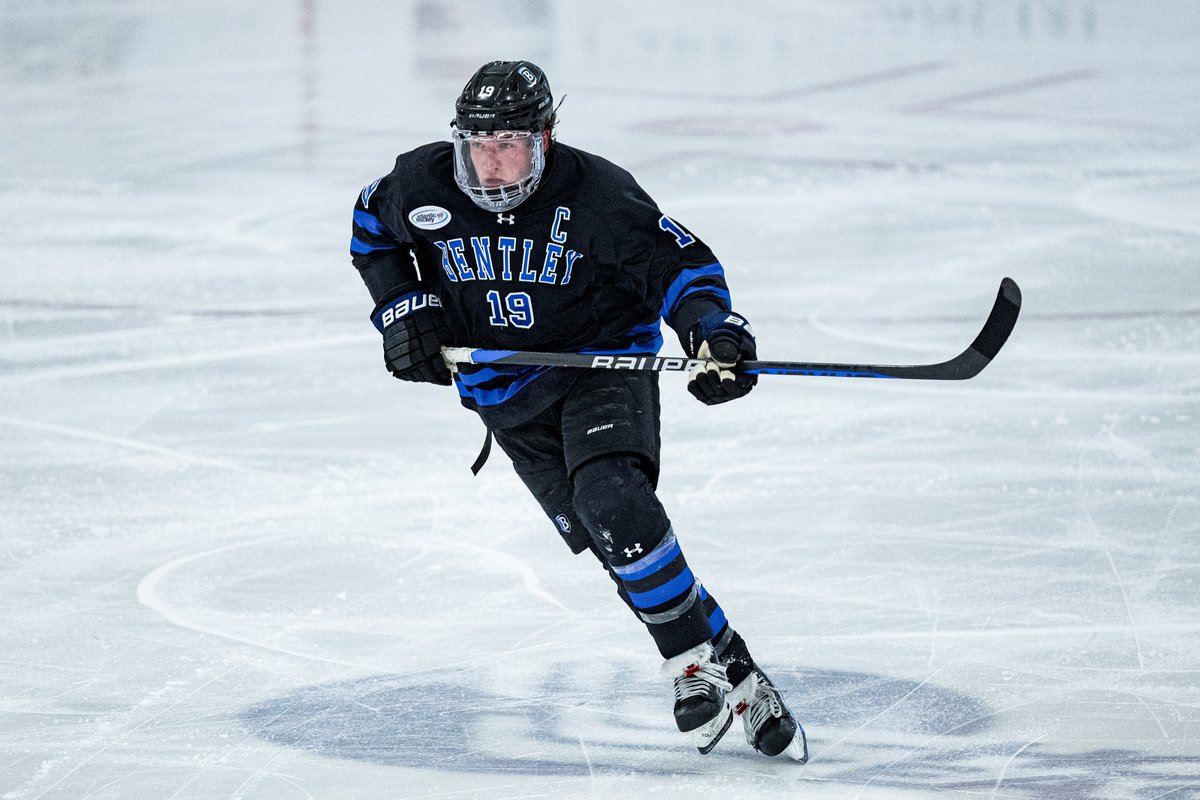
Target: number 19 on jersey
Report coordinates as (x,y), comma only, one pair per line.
(514,308)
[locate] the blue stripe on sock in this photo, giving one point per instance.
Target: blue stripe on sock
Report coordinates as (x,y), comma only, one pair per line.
(673,588)
(717,620)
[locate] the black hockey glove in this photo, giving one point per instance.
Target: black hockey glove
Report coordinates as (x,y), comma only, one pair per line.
(414,331)
(727,339)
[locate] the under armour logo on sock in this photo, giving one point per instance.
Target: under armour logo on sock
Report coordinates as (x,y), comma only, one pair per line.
(630,551)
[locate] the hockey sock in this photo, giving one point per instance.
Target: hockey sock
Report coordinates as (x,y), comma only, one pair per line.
(665,595)
(632,535)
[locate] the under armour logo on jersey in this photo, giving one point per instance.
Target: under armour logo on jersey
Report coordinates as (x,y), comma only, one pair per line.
(630,552)
(502,218)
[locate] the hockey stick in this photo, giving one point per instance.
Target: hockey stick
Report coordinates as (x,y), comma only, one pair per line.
(966,364)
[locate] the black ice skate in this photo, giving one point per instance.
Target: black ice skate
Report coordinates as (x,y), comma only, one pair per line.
(770,727)
(700,687)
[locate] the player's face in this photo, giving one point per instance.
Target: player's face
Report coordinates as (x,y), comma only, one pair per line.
(499,169)
(502,158)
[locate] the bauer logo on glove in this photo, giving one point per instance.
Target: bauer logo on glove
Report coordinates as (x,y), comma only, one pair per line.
(414,330)
(398,309)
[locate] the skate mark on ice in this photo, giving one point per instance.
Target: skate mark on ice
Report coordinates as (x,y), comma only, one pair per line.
(1094,529)
(126,444)
(215,312)
(508,562)
(119,367)
(868,722)
(151,595)
(1035,632)
(1009,763)
(185,591)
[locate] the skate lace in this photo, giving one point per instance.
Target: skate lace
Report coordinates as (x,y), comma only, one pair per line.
(699,682)
(766,705)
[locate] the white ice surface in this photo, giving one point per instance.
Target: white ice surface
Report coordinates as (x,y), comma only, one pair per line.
(238,560)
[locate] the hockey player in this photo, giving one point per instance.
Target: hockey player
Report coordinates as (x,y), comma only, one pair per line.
(503,238)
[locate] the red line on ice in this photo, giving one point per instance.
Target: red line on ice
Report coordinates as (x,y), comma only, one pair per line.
(1003,90)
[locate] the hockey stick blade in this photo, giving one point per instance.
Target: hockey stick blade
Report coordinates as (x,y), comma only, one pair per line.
(966,364)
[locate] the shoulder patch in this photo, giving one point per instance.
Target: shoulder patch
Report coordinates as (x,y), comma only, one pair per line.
(429,218)
(369,190)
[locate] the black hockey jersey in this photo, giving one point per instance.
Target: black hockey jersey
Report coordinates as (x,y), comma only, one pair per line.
(586,264)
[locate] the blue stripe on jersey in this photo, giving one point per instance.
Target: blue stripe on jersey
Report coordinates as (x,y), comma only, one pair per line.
(468,384)
(682,286)
(651,330)
(673,588)
(484,374)
(359,246)
(522,377)
(646,339)
(653,561)
(370,223)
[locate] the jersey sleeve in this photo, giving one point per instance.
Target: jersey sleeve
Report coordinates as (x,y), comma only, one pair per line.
(693,283)
(383,257)
(683,277)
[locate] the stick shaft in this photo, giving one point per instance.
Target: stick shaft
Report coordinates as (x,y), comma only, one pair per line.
(966,364)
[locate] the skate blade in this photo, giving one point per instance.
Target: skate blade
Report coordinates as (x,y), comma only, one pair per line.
(798,748)
(706,736)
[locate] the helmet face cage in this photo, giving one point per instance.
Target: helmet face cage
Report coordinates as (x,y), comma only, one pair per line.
(497,170)
(504,107)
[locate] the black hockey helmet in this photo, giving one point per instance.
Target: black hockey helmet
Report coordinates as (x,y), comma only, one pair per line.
(505,96)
